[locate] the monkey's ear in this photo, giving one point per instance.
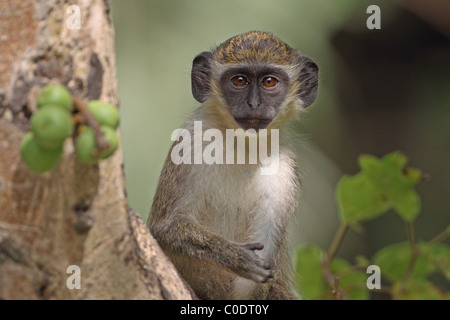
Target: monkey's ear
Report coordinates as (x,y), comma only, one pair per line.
(309,78)
(201,76)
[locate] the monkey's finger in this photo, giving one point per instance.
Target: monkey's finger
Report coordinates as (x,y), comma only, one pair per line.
(259,275)
(254,246)
(264,275)
(264,279)
(264,269)
(257,278)
(268,265)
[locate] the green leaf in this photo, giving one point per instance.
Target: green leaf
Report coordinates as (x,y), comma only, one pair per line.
(396,160)
(362,261)
(358,200)
(351,281)
(309,273)
(381,185)
(394,261)
(408,205)
(413,175)
(417,290)
(437,254)
(368,162)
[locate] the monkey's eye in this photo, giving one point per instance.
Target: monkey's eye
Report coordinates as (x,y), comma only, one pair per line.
(239,81)
(269,82)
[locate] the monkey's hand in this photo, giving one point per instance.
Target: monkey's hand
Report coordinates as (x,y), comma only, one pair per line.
(194,241)
(252,266)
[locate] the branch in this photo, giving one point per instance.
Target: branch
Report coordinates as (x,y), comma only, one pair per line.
(333,281)
(337,240)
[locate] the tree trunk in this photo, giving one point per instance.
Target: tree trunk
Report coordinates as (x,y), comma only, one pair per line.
(76,214)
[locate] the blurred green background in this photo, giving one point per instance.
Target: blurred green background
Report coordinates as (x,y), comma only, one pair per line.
(380,91)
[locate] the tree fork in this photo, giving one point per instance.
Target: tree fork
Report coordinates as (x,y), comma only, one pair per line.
(76,214)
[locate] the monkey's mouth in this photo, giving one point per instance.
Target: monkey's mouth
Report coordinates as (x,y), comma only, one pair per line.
(253,123)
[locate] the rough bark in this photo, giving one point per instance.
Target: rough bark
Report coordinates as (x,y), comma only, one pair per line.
(76,214)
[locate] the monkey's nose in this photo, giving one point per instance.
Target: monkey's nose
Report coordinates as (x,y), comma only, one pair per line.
(253,98)
(253,103)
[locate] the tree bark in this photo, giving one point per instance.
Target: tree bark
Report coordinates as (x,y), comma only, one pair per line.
(76,214)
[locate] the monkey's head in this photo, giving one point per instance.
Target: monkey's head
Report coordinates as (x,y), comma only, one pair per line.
(254,80)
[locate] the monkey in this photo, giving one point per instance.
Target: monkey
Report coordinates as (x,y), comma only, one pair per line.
(224,225)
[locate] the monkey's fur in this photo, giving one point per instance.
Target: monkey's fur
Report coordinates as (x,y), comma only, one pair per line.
(224,225)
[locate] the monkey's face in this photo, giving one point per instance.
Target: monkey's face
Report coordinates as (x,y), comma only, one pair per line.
(254,93)
(257,78)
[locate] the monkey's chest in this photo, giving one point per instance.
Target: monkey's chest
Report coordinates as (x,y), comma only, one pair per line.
(242,205)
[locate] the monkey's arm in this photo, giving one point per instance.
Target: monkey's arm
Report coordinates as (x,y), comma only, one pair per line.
(192,240)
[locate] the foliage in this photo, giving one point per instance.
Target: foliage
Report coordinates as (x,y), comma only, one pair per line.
(381,186)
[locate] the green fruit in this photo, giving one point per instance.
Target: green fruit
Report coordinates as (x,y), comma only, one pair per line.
(111,139)
(86,145)
(51,125)
(55,94)
(105,113)
(37,159)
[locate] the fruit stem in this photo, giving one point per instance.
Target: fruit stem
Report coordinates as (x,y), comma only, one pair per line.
(32,98)
(80,105)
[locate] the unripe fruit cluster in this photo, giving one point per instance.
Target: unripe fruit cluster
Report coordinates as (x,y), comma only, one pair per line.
(52,124)
(86,144)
